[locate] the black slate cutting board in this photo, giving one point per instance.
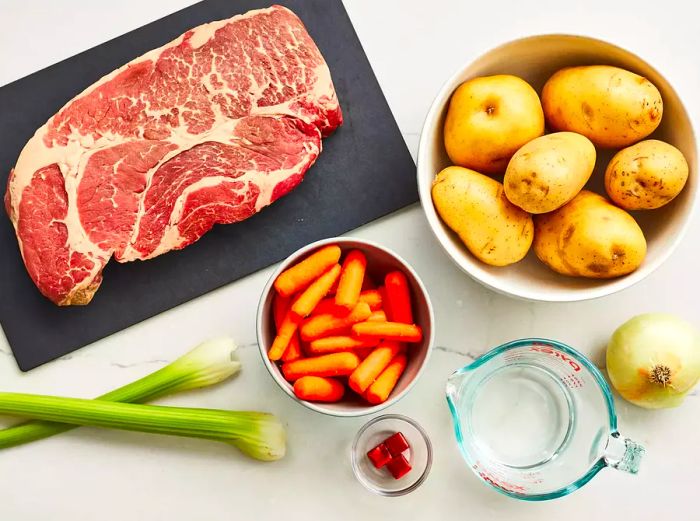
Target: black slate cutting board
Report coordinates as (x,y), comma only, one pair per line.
(364,172)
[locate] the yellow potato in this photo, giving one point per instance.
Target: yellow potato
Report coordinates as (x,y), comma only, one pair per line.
(589,237)
(549,171)
(488,119)
(474,206)
(610,106)
(646,175)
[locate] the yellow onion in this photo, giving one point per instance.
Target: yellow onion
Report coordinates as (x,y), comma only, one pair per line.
(653,360)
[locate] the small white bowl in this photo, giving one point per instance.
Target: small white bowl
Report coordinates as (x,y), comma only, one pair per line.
(419,455)
(535,59)
(380,261)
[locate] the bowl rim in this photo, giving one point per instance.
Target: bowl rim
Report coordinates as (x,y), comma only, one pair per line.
(459,257)
(275,373)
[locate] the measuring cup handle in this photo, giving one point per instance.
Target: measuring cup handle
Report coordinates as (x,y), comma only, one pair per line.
(623,453)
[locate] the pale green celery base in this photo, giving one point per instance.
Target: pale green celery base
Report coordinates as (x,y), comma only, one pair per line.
(258,435)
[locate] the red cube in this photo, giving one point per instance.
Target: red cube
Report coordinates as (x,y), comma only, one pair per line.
(379,455)
(396,443)
(398,466)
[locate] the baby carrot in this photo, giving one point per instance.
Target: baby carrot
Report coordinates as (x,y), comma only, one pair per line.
(380,390)
(334,287)
(372,366)
(328,307)
(328,324)
(302,274)
(334,364)
(293,351)
(372,297)
(388,331)
(377,316)
(284,336)
(350,284)
(280,306)
(318,389)
(398,295)
(334,344)
(305,303)
(385,301)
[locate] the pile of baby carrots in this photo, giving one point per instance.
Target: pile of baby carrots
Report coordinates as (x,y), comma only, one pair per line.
(335,328)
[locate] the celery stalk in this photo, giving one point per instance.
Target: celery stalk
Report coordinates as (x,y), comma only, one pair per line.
(209,363)
(258,435)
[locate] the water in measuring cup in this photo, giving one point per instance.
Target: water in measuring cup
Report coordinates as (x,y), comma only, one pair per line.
(521,416)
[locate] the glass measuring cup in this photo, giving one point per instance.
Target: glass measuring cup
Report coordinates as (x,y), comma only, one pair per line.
(535,420)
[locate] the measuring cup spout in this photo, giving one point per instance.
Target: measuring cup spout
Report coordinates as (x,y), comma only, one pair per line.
(623,453)
(453,385)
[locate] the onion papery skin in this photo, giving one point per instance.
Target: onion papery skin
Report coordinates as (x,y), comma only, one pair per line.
(653,360)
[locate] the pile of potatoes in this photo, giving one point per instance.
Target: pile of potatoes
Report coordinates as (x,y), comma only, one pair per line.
(496,125)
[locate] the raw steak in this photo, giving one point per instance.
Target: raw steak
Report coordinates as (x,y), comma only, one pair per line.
(207,129)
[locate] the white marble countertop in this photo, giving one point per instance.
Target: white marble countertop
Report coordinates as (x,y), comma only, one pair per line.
(413,47)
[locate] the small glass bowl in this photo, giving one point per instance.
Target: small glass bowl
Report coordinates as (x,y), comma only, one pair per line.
(419,455)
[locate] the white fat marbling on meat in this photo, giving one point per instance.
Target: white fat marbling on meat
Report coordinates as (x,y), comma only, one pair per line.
(73,158)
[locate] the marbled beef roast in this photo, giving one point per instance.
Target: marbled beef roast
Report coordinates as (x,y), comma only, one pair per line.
(207,129)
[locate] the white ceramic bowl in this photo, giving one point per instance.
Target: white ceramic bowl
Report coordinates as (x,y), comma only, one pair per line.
(380,261)
(535,59)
